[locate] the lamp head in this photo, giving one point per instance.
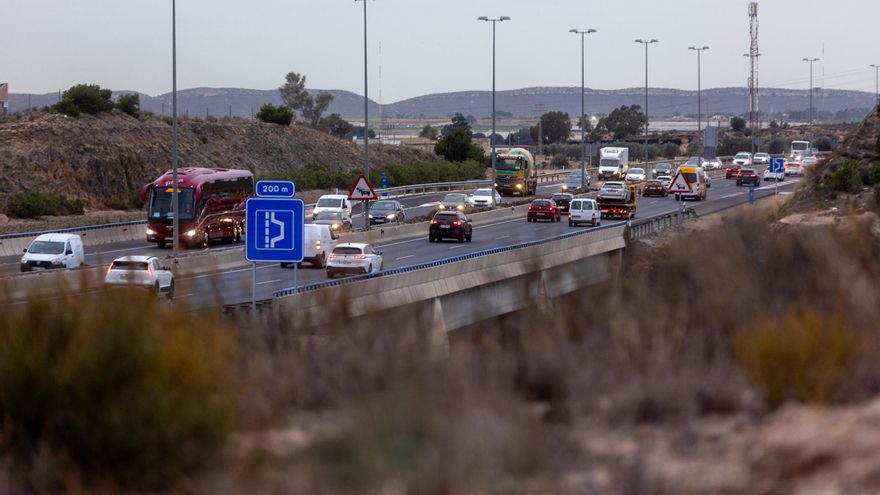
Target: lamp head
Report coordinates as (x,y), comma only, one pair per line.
(591,31)
(504,18)
(573,31)
(482,18)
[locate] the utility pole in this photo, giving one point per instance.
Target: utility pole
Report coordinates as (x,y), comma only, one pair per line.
(811,60)
(175,208)
(492,136)
(366,209)
(699,89)
(877,81)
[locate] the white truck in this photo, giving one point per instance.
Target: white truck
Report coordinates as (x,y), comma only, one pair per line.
(613,163)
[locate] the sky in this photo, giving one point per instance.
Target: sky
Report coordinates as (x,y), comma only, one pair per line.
(416,47)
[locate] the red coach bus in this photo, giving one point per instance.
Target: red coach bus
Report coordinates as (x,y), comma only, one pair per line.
(211,205)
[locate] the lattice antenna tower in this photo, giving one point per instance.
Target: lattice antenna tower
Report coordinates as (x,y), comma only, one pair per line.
(754,53)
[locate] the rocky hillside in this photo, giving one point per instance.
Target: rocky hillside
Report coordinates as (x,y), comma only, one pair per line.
(104,159)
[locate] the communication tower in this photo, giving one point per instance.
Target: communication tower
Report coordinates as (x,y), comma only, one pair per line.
(754,53)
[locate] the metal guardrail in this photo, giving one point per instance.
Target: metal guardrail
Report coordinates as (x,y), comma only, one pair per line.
(432,264)
(87,228)
(654,225)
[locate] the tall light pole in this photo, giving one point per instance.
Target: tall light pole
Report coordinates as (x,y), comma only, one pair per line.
(877,81)
(492,137)
(811,60)
(583,121)
(699,89)
(646,43)
(175,208)
(366,209)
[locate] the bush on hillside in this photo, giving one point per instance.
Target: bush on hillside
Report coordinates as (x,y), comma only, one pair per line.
(559,161)
(37,204)
(84,98)
(313,177)
(280,115)
(845,178)
(129,104)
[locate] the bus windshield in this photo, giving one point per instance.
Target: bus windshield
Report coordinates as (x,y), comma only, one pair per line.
(799,146)
(508,164)
(160,204)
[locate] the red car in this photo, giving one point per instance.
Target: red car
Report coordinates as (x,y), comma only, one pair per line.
(748,176)
(450,224)
(544,209)
(732,171)
(655,188)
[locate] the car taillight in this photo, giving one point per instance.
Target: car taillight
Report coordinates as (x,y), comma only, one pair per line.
(360,257)
(332,257)
(456,223)
(433,222)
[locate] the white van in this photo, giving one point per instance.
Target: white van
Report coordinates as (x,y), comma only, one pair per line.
(53,251)
(332,202)
(583,210)
(318,241)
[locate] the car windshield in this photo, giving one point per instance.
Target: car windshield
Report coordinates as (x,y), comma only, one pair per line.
(329,203)
(483,192)
(653,183)
(663,166)
(383,205)
(129,265)
(329,215)
(540,203)
(612,185)
(445,217)
(455,198)
(761,155)
(693,161)
(347,250)
(742,155)
(637,171)
(46,247)
(561,197)
(748,171)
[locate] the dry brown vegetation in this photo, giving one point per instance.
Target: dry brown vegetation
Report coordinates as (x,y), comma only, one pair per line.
(666,382)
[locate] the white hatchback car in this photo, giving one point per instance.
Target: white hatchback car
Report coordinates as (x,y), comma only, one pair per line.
(141,271)
(353,258)
(583,210)
(636,175)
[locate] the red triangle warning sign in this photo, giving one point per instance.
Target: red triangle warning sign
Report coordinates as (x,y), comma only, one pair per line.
(362,190)
(679,184)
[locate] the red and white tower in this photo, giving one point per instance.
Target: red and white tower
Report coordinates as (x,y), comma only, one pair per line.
(754,53)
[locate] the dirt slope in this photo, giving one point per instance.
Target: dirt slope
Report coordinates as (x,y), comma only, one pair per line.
(104,159)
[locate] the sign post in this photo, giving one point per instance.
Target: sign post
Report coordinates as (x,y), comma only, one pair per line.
(363,191)
(777,166)
(275,226)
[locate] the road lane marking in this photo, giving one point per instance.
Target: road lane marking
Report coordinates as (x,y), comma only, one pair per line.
(502,237)
(732,195)
(459,246)
(268,282)
(405,257)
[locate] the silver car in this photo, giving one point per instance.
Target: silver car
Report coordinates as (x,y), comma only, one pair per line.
(615,191)
(712,164)
(761,159)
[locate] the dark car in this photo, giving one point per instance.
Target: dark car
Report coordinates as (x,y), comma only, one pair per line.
(748,176)
(732,171)
(450,225)
(655,188)
(543,209)
(662,169)
(386,211)
(563,201)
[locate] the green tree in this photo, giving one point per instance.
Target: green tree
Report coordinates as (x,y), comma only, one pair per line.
(776,147)
(337,126)
(84,98)
(585,123)
(297,98)
(738,124)
(130,104)
(522,136)
(459,121)
(670,150)
(555,127)
(429,132)
(624,121)
(280,115)
(457,147)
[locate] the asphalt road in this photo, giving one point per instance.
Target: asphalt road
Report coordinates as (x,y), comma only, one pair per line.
(234,286)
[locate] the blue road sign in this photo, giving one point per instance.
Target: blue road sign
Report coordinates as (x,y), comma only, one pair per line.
(275,189)
(274,230)
(751,193)
(777,165)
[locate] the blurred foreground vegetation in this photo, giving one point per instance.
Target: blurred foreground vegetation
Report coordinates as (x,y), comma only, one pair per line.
(124,393)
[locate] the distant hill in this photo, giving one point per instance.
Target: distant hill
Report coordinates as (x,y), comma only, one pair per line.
(217,102)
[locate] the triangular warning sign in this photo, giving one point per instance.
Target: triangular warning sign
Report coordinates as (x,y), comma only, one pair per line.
(362,190)
(679,184)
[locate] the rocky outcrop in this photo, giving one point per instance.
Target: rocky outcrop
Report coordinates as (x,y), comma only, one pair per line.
(103,160)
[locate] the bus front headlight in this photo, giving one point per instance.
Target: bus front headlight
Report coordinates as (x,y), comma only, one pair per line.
(519,186)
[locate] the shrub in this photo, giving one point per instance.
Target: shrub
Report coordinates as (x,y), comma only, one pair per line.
(845,178)
(313,177)
(84,98)
(130,104)
(91,390)
(280,115)
(671,150)
(36,204)
(804,356)
(559,161)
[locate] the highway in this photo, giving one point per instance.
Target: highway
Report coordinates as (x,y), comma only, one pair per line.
(233,286)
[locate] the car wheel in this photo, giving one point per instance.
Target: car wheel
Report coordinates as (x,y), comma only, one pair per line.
(156,288)
(381,266)
(160,244)
(430,238)
(329,274)
(322,261)
(570,223)
(461,238)
(170,294)
(469,237)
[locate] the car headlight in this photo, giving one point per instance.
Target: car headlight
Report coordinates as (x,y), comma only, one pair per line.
(24,260)
(335,226)
(564,187)
(459,207)
(370,216)
(191,233)
(390,216)
(151,232)
(519,186)
(442,207)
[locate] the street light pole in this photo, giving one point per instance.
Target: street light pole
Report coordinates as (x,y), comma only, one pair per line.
(492,136)
(583,119)
(811,60)
(646,43)
(699,88)
(175,208)
(366,208)
(877,81)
